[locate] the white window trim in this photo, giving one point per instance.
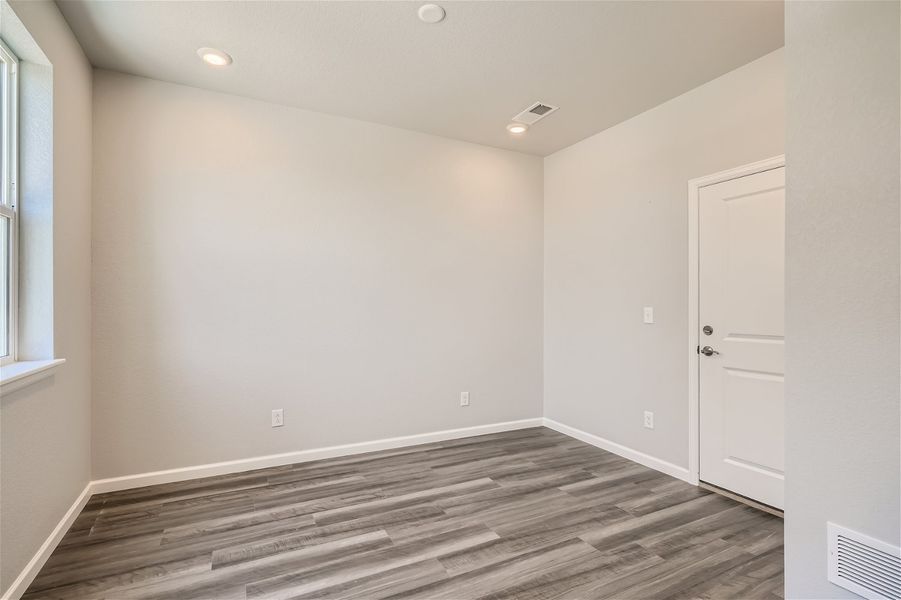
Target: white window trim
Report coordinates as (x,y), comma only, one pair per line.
(9,169)
(17,375)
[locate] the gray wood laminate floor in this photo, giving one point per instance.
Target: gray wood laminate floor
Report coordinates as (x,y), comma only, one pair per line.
(528,514)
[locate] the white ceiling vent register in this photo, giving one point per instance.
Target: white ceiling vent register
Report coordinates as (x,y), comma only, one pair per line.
(535,113)
(864,565)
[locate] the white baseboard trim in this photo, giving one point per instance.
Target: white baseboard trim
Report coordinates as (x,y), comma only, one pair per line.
(31,570)
(21,583)
(115,484)
(624,451)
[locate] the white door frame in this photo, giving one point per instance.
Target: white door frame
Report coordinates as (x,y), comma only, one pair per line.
(694,191)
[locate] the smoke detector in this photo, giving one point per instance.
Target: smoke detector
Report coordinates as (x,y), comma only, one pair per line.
(431,13)
(534,113)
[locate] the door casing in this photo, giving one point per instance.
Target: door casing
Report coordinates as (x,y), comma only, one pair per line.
(694,189)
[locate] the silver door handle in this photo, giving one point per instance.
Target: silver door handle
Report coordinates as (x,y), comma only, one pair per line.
(708,351)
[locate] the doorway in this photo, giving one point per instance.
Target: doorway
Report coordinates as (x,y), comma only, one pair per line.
(737,330)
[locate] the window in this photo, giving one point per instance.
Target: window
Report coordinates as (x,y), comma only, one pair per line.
(8,223)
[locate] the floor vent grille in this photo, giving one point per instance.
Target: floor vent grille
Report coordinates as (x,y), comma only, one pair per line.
(864,565)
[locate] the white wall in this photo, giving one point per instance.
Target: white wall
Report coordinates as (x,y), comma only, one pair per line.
(249,256)
(45,429)
(616,239)
(843,461)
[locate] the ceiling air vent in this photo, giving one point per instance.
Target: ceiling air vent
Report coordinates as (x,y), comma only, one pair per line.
(864,565)
(534,113)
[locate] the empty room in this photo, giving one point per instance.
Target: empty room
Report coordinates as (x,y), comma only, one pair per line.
(467,300)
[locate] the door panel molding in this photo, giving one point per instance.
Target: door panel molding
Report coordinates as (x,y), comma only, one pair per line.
(694,190)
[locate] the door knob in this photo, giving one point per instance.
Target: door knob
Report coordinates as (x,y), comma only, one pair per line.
(708,351)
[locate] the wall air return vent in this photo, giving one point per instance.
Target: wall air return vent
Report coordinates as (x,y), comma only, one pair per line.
(534,113)
(864,565)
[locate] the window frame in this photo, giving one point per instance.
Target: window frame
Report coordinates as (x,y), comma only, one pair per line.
(9,175)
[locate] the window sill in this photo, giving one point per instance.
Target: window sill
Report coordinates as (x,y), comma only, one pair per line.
(17,375)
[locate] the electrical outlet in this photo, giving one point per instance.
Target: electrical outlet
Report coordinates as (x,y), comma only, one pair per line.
(464,398)
(648,314)
(278,417)
(649,419)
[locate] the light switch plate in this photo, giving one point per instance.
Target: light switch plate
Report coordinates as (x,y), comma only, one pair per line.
(648,314)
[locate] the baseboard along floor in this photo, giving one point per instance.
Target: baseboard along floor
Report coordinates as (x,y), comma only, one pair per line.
(527,513)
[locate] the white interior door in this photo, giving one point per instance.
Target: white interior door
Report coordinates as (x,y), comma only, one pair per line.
(741,276)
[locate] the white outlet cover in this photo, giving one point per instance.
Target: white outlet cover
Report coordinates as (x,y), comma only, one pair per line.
(464,398)
(648,314)
(278,417)
(649,419)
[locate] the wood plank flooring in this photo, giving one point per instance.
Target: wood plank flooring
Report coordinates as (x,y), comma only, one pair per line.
(529,514)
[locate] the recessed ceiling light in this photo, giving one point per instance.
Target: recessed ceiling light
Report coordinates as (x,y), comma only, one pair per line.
(431,13)
(214,57)
(517,128)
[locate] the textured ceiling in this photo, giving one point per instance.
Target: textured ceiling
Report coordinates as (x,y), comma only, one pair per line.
(464,78)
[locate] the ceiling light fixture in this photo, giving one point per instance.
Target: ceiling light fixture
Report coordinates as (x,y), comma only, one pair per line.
(431,13)
(214,57)
(517,128)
